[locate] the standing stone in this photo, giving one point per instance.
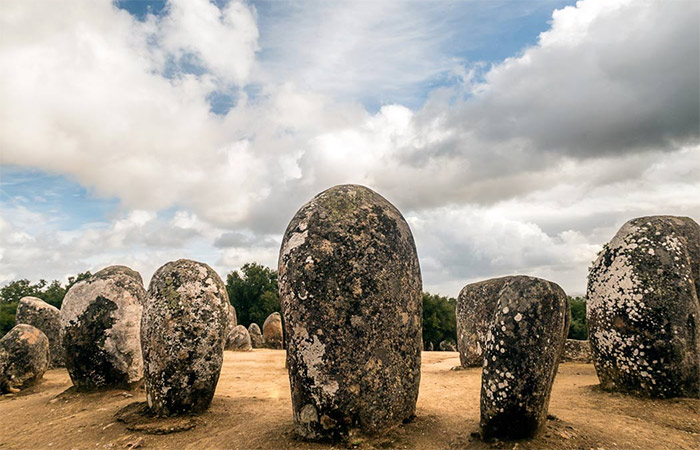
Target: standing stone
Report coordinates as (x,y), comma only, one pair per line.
(47,318)
(523,345)
(272,331)
(232,321)
(101,319)
(24,358)
(476,305)
(232,317)
(350,288)
(643,312)
(121,270)
(447,346)
(256,338)
(183,334)
(576,351)
(239,340)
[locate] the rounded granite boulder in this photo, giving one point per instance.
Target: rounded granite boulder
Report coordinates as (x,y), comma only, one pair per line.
(576,350)
(239,340)
(350,288)
(643,312)
(117,270)
(232,319)
(101,319)
(182,335)
(522,350)
(272,331)
(476,304)
(447,346)
(24,357)
(256,339)
(47,318)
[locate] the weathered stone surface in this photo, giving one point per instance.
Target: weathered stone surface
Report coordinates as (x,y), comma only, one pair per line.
(101,319)
(256,338)
(576,351)
(476,305)
(272,331)
(183,334)
(239,339)
(232,319)
(39,314)
(447,346)
(120,270)
(24,357)
(523,346)
(643,312)
(350,288)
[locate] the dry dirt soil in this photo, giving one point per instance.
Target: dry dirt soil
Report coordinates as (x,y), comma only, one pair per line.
(252,410)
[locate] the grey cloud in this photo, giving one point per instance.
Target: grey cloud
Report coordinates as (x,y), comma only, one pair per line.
(232,239)
(240,239)
(600,85)
(631,84)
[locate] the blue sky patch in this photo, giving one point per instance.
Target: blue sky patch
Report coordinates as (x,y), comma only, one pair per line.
(65,203)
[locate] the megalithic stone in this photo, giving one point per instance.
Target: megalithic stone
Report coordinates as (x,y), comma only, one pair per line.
(350,288)
(476,305)
(183,333)
(24,358)
(37,313)
(273,336)
(643,312)
(522,350)
(101,320)
(256,338)
(238,339)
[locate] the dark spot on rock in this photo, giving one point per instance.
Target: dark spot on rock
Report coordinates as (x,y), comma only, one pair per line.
(89,364)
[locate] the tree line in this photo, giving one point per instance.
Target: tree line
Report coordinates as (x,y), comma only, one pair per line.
(252,290)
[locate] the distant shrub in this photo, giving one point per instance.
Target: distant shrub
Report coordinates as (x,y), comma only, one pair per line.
(253,292)
(578,329)
(439,319)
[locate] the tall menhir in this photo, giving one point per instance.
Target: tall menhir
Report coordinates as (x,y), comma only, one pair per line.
(350,288)
(643,309)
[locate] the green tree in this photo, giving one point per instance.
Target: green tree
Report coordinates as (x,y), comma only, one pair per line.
(80,277)
(253,292)
(439,319)
(578,329)
(12,292)
(7,316)
(53,294)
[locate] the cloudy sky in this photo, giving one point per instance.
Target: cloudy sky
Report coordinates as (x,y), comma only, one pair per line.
(515,137)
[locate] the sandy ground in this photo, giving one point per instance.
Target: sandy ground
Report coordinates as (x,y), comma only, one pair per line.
(252,410)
